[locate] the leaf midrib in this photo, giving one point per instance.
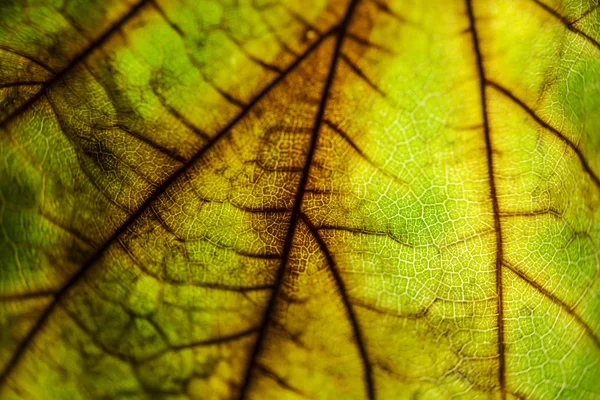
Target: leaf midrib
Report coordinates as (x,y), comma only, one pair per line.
(493,196)
(296,216)
(76,277)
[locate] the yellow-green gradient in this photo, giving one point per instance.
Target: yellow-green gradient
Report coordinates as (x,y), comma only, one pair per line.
(328,199)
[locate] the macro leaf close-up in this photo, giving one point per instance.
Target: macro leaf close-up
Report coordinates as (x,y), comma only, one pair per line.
(299,199)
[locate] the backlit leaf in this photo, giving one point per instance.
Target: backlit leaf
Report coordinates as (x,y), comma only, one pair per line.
(278,199)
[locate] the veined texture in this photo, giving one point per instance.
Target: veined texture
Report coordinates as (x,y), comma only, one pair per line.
(326,199)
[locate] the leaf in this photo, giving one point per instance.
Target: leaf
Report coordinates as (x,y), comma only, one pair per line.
(331,199)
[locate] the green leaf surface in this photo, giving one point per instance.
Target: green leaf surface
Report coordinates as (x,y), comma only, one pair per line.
(278,199)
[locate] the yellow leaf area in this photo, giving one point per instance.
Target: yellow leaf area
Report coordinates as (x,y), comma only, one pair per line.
(263,199)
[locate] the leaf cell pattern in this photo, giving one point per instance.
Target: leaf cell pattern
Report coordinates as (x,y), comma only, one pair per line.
(349,199)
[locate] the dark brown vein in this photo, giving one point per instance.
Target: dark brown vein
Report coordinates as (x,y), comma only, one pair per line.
(22,83)
(381,6)
(294,337)
(568,24)
(143,139)
(278,379)
(227,96)
(60,293)
(368,43)
(585,14)
(87,173)
(167,19)
(347,139)
(178,116)
(384,311)
(362,231)
(74,62)
(73,232)
(494,198)
(27,296)
(199,66)
(356,331)
(254,59)
(273,31)
(561,304)
(301,19)
(362,75)
(547,126)
(97,342)
(158,147)
(178,347)
(33,60)
(533,213)
(296,210)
